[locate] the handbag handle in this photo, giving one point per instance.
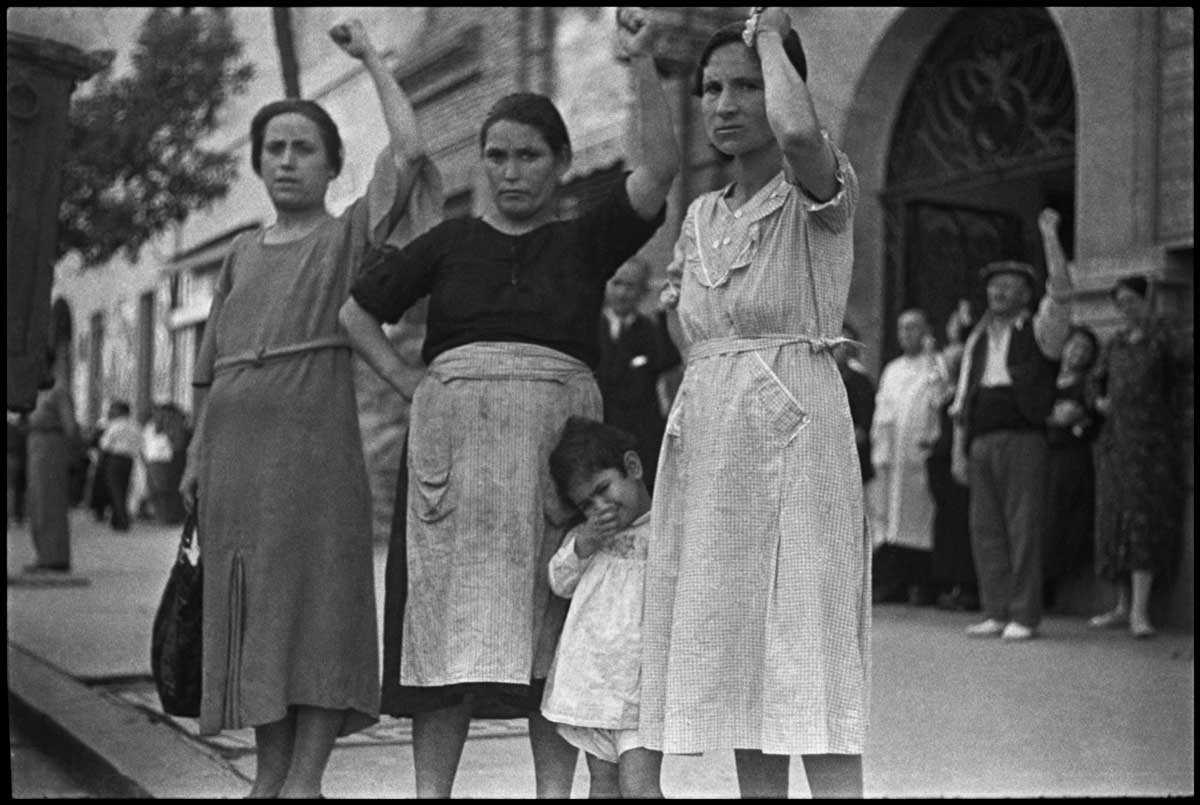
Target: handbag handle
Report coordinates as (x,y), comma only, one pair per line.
(189,530)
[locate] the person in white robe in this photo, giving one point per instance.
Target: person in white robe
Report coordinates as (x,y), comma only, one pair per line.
(905,426)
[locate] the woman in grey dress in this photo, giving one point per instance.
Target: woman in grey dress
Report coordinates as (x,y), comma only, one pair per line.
(290,642)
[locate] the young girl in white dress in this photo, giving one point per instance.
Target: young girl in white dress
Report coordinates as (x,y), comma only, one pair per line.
(594,687)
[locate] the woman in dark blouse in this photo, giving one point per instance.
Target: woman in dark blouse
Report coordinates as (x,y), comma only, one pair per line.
(1070,431)
(514,297)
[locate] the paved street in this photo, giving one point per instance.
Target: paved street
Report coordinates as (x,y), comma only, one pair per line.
(1076,712)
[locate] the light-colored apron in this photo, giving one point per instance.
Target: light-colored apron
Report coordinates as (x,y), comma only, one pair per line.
(484,518)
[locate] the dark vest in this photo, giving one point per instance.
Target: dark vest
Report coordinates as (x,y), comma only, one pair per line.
(1031,398)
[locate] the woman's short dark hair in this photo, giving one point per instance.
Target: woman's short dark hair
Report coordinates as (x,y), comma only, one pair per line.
(587,447)
(533,110)
(733,33)
(1139,285)
(309,109)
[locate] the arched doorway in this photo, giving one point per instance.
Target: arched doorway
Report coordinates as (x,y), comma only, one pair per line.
(984,139)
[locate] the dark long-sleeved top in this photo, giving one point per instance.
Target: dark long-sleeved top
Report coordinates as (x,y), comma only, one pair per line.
(542,287)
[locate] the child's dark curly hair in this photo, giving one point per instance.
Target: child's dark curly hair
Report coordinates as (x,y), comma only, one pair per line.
(587,447)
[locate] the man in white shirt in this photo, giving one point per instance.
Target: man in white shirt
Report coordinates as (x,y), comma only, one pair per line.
(119,447)
(1005,392)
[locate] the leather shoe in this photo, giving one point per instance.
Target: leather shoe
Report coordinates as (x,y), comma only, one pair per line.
(1018,631)
(988,628)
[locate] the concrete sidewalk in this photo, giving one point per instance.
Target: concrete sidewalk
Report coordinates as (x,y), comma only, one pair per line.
(1076,712)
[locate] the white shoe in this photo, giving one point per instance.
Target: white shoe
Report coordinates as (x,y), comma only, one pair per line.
(1017,631)
(988,628)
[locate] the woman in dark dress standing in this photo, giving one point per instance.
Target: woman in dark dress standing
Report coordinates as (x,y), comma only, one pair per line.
(1140,493)
(514,297)
(1070,432)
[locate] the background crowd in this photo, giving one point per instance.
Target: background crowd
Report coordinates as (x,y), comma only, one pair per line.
(1108,496)
(981,471)
(119,469)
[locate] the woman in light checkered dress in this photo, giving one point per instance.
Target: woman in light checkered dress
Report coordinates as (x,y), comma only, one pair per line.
(757,592)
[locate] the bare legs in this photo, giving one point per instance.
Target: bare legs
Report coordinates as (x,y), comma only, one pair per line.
(1139,615)
(438,739)
(439,736)
(763,776)
(1132,607)
(292,753)
(605,778)
(635,775)
(640,773)
(834,776)
(553,759)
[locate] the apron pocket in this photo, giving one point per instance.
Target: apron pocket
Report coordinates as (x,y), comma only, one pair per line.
(430,461)
(782,412)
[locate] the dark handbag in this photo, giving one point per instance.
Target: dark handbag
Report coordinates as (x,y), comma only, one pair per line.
(175,658)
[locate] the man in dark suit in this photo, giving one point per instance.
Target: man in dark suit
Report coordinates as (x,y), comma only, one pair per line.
(635,350)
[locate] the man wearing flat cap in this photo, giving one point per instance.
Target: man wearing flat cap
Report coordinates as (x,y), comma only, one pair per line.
(1005,392)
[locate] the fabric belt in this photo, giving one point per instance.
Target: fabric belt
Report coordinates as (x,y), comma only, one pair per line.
(258,357)
(507,361)
(732,345)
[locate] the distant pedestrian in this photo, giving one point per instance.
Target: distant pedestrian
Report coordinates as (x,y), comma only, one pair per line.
(120,447)
(164,440)
(1141,478)
(514,301)
(1005,393)
(290,639)
(756,633)
(593,692)
(52,429)
(635,351)
(98,498)
(912,388)
(1070,431)
(16,476)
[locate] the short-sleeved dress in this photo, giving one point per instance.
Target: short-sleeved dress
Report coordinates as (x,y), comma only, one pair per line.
(285,523)
(1139,468)
(758,578)
(510,343)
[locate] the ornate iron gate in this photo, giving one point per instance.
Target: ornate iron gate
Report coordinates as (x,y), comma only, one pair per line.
(993,103)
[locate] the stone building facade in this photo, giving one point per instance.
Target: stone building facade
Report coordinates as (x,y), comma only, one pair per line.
(962,124)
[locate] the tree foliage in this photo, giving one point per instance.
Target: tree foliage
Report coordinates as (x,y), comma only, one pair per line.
(135,164)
